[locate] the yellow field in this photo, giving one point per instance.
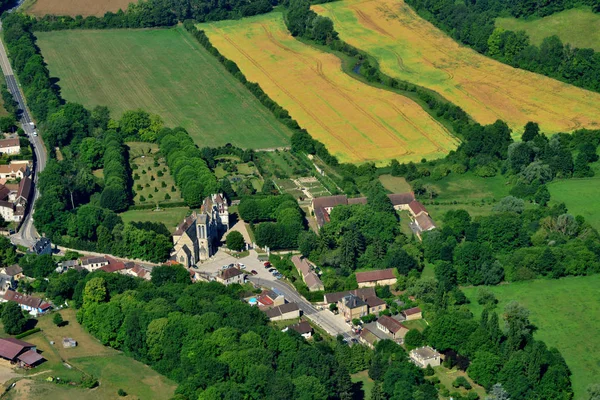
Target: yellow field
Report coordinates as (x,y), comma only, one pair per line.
(411,49)
(355,121)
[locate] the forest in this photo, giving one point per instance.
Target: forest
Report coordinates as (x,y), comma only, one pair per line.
(472,23)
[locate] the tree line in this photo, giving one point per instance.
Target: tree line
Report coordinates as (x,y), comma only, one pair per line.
(473,23)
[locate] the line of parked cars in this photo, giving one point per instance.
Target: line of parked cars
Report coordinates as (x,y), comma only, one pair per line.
(269,267)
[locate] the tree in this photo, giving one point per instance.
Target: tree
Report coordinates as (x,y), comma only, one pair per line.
(307,242)
(57,319)
(542,196)
(377,393)
(510,204)
(593,392)
(95,291)
(13,319)
(532,130)
(165,274)
(413,339)
(486,298)
(498,393)
(235,241)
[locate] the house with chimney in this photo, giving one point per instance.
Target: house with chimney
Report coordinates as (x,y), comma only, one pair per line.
(309,276)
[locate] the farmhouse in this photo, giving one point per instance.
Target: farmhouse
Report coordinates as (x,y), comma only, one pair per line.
(18,351)
(230,275)
(352,306)
(13,171)
(284,311)
(310,278)
(322,206)
(425,356)
(14,271)
(10,146)
(412,313)
(303,328)
(392,327)
(93,263)
(34,305)
(375,305)
(381,277)
(363,293)
(416,208)
(195,239)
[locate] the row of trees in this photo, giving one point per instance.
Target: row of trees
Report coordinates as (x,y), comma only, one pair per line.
(472,23)
(206,339)
(191,173)
(116,194)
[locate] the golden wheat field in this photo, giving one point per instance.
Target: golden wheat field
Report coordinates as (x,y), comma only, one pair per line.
(410,48)
(39,8)
(356,122)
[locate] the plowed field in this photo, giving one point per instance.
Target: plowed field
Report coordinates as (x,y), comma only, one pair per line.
(355,121)
(77,7)
(412,49)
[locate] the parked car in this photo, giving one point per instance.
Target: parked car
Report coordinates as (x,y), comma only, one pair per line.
(242,266)
(267,264)
(253,272)
(272,269)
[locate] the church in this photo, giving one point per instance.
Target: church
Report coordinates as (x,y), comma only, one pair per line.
(197,237)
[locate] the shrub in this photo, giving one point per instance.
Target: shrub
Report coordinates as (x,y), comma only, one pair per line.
(163,184)
(122,393)
(167,197)
(159,173)
(142,198)
(57,319)
(461,381)
(235,241)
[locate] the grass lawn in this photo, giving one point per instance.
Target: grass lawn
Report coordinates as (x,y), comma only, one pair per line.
(395,184)
(148,186)
(565,311)
(112,369)
(171,217)
(579,27)
(165,72)
(418,324)
(581,197)
(367,383)
(447,376)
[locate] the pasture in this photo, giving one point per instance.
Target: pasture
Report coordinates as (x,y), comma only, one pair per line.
(39,8)
(580,196)
(579,27)
(565,313)
(357,122)
(409,48)
(165,72)
(171,217)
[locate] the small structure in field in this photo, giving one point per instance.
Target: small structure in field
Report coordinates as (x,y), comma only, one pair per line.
(69,342)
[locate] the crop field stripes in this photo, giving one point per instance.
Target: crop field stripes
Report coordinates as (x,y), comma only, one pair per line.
(409,48)
(357,122)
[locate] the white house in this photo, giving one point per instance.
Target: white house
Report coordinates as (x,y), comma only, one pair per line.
(424,356)
(34,305)
(10,146)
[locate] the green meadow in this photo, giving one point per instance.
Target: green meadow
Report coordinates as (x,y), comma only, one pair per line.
(165,72)
(566,313)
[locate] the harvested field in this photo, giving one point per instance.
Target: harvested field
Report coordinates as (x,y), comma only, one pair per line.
(73,8)
(356,122)
(410,48)
(165,72)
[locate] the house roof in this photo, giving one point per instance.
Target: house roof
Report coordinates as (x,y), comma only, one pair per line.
(411,311)
(264,300)
(416,207)
(425,353)
(4,143)
(13,270)
(301,264)
(329,201)
(368,336)
(10,347)
(302,328)
(374,301)
(10,169)
(93,260)
(363,293)
(24,188)
(424,222)
(229,273)
(30,357)
(372,276)
(351,301)
(398,199)
(4,192)
(391,324)
(23,299)
(7,204)
(114,267)
(282,309)
(312,279)
(140,271)
(41,244)
(357,200)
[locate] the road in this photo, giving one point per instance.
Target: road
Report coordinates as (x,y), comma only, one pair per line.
(27,235)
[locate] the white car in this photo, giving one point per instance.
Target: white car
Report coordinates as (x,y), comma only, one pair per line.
(35,133)
(242,266)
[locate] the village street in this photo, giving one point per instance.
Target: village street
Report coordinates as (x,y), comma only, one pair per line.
(333,324)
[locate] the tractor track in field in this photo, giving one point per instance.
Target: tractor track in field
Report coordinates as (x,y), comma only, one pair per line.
(284,90)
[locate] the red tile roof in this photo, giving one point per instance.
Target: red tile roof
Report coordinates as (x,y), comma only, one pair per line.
(398,199)
(302,327)
(416,207)
(9,143)
(229,273)
(411,311)
(10,348)
(23,299)
(372,276)
(30,357)
(374,301)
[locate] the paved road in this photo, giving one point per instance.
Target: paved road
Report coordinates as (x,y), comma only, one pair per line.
(27,235)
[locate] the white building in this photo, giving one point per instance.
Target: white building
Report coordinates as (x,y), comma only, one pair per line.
(10,146)
(424,356)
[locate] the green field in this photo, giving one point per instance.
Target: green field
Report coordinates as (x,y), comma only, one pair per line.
(367,383)
(566,312)
(581,197)
(171,217)
(165,72)
(395,184)
(113,370)
(579,27)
